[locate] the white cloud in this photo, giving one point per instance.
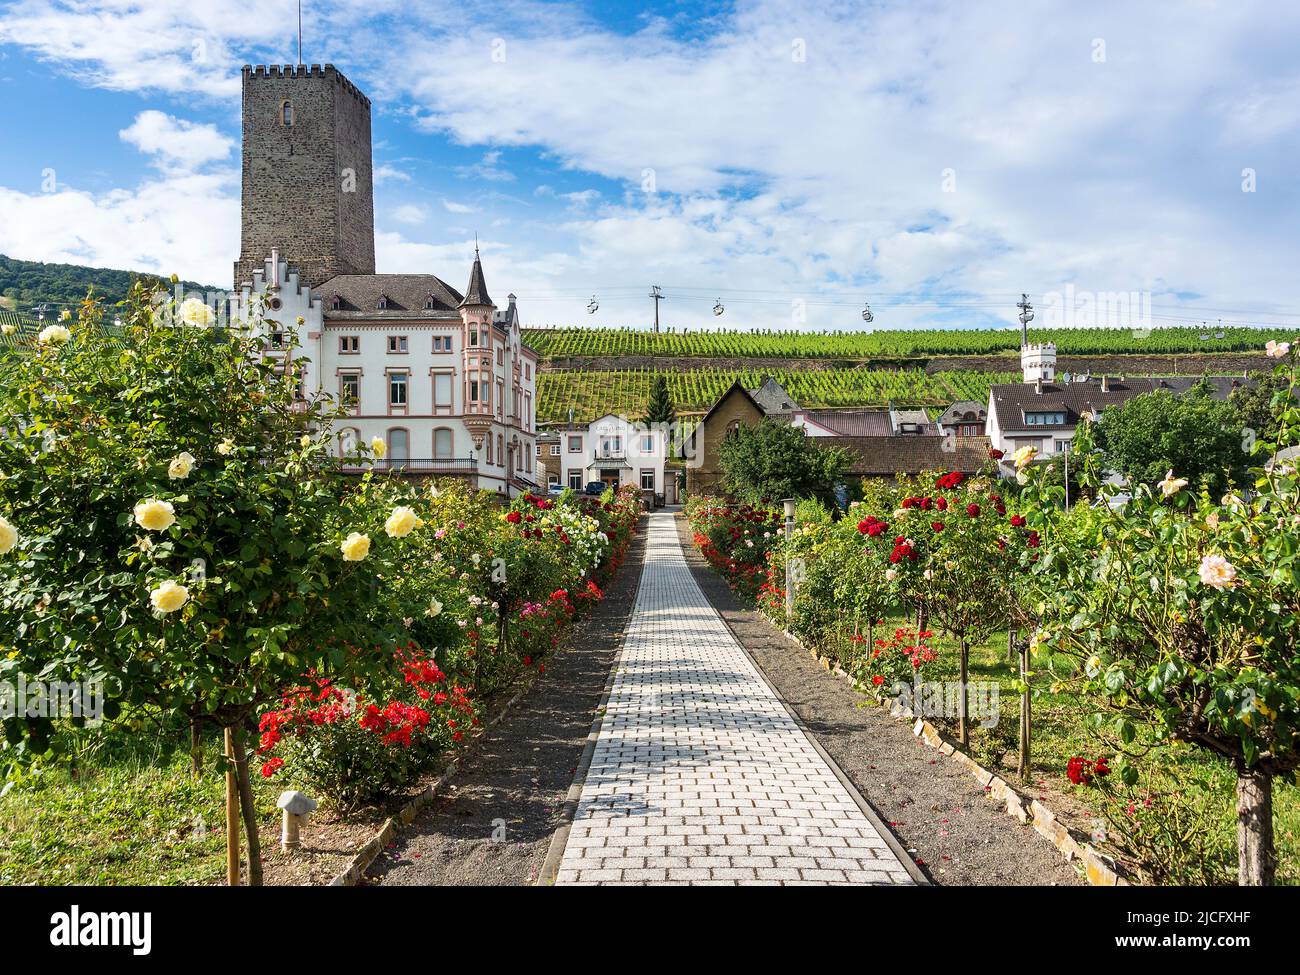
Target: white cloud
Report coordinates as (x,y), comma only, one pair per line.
(176,143)
(451,206)
(777,178)
(385,173)
(185,224)
(410,213)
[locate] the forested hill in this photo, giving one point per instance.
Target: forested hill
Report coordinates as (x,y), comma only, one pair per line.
(28,283)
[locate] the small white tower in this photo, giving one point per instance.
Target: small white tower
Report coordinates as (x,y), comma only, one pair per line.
(1038,362)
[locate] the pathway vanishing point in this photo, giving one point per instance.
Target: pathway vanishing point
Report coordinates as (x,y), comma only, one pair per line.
(700,775)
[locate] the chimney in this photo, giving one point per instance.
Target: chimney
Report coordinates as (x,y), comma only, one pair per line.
(1038,385)
(1105,383)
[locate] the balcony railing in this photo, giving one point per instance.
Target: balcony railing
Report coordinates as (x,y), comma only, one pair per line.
(421,465)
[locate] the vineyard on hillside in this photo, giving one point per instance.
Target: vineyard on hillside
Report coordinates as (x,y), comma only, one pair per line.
(554,343)
(626,391)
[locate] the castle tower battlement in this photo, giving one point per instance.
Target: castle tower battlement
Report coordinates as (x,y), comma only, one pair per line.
(308,183)
(1038,362)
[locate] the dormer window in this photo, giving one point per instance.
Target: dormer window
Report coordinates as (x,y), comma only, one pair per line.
(286,113)
(382,303)
(336,303)
(429,303)
(1044,419)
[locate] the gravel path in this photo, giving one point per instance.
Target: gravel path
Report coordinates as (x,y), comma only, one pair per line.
(495,823)
(933,805)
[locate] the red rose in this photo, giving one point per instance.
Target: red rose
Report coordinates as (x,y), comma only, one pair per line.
(513,517)
(937,525)
(973,510)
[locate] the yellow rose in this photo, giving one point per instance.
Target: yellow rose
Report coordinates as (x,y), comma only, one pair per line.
(154,515)
(169,597)
(53,335)
(8,536)
(304,441)
(65,315)
(1172,485)
(194,311)
(180,466)
(8,329)
(225,447)
(1025,456)
(402,522)
(355,547)
(378,446)
(435,607)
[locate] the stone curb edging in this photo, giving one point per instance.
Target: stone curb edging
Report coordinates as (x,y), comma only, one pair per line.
(1100,869)
(364,857)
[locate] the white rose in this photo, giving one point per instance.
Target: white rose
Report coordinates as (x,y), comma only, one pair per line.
(53,335)
(180,466)
(1217,572)
(8,536)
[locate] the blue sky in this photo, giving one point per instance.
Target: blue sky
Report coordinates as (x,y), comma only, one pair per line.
(794,159)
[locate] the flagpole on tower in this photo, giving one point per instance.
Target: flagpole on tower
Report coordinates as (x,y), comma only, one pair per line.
(300,33)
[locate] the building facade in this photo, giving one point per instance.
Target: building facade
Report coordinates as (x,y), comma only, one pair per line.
(443,378)
(1044,411)
(612,449)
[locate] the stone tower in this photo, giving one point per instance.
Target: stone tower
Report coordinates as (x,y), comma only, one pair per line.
(307,183)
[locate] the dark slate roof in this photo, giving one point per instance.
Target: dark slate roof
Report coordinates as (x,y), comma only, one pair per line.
(1013,400)
(407,295)
(477,293)
(957,412)
(772,398)
(508,317)
(854,423)
(892,456)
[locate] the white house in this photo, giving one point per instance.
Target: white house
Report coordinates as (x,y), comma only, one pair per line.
(1044,410)
(443,379)
(612,449)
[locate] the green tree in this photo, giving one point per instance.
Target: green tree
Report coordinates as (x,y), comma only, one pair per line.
(771,461)
(1194,436)
(174,527)
(1258,405)
(661,408)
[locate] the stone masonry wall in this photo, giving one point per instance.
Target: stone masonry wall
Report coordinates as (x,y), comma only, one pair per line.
(293,191)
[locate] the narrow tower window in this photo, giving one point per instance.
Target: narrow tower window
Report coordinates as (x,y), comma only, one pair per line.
(286,113)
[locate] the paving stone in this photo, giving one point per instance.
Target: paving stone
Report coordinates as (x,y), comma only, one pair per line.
(699,774)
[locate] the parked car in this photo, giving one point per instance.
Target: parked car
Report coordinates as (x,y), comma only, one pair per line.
(596,488)
(555,490)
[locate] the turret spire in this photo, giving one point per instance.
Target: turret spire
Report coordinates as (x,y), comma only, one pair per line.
(477,293)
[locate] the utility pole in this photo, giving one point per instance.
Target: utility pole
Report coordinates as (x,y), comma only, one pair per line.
(1026,316)
(658,296)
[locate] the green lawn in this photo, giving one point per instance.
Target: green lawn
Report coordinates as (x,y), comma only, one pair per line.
(1059,733)
(122,814)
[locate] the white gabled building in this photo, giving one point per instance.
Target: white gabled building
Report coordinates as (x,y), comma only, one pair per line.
(615,450)
(443,379)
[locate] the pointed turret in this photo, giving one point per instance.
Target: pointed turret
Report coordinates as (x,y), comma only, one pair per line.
(476,293)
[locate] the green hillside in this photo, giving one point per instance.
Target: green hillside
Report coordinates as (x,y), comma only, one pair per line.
(555,343)
(24,284)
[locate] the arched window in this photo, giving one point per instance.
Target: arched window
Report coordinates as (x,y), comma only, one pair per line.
(444,443)
(489,449)
(733,428)
(501,448)
(286,113)
(399,445)
(429,303)
(349,437)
